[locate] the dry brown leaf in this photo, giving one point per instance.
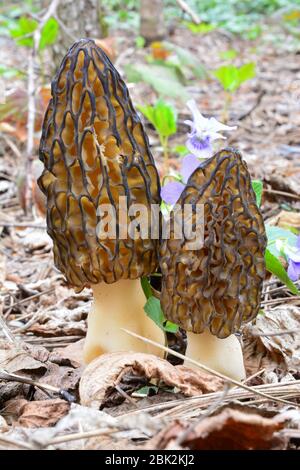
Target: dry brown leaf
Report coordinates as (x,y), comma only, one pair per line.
(60,377)
(229,430)
(16,357)
(44,413)
(3,425)
(73,352)
(282,349)
(61,322)
(107,371)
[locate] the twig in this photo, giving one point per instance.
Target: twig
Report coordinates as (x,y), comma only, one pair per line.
(207,369)
(255,105)
(14,442)
(278,333)
(125,395)
(282,193)
(6,330)
(187,9)
(31,87)
(80,435)
(21,224)
(28,299)
(281,299)
(10,377)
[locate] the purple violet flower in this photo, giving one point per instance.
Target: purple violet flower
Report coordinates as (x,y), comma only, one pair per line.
(294,260)
(203,132)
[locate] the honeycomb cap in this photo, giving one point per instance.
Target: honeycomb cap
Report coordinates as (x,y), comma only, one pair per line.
(95,150)
(217,286)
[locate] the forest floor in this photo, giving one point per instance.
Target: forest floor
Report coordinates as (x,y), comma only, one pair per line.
(44,321)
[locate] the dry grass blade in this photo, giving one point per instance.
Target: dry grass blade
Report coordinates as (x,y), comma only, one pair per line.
(80,435)
(208,369)
(18,444)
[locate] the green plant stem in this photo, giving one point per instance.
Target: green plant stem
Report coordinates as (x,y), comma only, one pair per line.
(164,144)
(227,104)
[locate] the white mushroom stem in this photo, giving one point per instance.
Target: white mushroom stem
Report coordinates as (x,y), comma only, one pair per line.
(119,305)
(222,355)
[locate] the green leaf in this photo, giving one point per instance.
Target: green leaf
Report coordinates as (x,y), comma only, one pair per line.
(257,186)
(146,287)
(278,233)
(49,33)
(163,79)
(228,77)
(181,150)
(154,311)
(146,391)
(231,77)
(230,54)
(246,72)
(274,266)
(162,116)
(24,27)
(202,28)
(140,42)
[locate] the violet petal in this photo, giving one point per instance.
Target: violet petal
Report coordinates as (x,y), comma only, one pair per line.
(294,270)
(189,165)
(171,192)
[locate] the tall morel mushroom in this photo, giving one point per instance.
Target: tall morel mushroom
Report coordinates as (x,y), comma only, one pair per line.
(212,290)
(95,151)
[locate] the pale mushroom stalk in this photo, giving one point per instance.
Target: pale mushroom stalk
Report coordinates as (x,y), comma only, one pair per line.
(116,306)
(223,355)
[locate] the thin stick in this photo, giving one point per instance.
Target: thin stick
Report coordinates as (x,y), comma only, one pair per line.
(281,193)
(31,88)
(22,445)
(21,225)
(80,435)
(207,369)
(254,375)
(278,333)
(28,299)
(281,299)
(187,9)
(10,377)
(125,395)
(6,331)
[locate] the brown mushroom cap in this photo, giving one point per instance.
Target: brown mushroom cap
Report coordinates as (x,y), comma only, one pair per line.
(219,285)
(95,150)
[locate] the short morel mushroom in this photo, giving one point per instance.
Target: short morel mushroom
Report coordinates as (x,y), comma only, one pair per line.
(213,289)
(95,151)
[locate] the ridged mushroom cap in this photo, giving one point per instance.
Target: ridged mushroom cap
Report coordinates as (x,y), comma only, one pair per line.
(95,150)
(217,286)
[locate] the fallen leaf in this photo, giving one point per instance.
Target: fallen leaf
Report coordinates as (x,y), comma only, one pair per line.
(73,352)
(36,414)
(15,358)
(228,430)
(281,349)
(61,377)
(62,322)
(3,425)
(106,371)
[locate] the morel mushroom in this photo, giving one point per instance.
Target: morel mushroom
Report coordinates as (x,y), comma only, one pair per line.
(215,288)
(95,151)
